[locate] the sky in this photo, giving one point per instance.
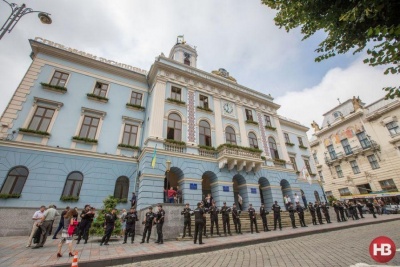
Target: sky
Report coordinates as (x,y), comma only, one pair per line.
(237,35)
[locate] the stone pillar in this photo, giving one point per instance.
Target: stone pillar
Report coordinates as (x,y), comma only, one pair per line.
(281,141)
(157,104)
(219,195)
(191,196)
(151,191)
(220,138)
(244,141)
(253,198)
(277,196)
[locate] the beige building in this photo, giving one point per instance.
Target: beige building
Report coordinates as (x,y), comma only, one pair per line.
(357,148)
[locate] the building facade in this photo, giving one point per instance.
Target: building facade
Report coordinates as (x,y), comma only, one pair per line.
(80,128)
(357,148)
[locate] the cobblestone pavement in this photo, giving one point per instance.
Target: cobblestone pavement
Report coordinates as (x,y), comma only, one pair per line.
(344,247)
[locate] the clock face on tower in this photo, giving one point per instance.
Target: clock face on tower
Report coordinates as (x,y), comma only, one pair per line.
(228,108)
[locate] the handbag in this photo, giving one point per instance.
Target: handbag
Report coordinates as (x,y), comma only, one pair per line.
(71,227)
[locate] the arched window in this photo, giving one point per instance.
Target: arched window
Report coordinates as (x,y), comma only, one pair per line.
(174,129)
(15,180)
(230,135)
(186,61)
(73,184)
(204,133)
(316,194)
(273,148)
(121,187)
(253,140)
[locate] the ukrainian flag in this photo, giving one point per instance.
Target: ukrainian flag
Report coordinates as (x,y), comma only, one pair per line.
(153,160)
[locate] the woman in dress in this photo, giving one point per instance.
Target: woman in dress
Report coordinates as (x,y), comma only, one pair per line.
(66,236)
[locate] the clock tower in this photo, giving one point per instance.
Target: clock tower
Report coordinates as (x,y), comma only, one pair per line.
(183,52)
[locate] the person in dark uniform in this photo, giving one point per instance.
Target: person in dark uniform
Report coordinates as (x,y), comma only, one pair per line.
(214,218)
(300,213)
(277,215)
(131,218)
(109,225)
(225,218)
(187,221)
(148,224)
(360,209)
(87,216)
(291,211)
(370,206)
(205,210)
(159,218)
(312,211)
(198,223)
(341,211)
(325,210)
(346,209)
(236,219)
(336,208)
(263,214)
(253,218)
(353,211)
(317,207)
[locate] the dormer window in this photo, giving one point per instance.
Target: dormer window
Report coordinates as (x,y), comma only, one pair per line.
(186,61)
(337,114)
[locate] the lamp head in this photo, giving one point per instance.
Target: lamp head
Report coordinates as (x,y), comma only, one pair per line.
(45,18)
(168,163)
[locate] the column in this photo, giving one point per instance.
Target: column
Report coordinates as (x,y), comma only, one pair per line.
(191,195)
(252,197)
(156,121)
(151,191)
(242,127)
(281,138)
(218,122)
(220,196)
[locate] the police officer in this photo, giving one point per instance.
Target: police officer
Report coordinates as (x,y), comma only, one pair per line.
(109,225)
(205,210)
(252,216)
(87,216)
(370,206)
(131,218)
(225,218)
(236,219)
(277,215)
(300,213)
(336,208)
(341,211)
(198,223)
(325,210)
(187,221)
(214,218)
(291,211)
(360,207)
(159,218)
(317,207)
(148,224)
(312,211)
(353,211)
(263,214)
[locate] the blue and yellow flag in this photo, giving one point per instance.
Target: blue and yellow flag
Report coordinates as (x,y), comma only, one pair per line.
(153,160)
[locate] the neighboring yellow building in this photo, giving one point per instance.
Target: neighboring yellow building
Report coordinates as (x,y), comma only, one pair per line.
(357,149)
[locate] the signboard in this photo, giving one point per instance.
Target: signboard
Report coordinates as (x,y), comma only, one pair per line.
(225,188)
(253,190)
(193,186)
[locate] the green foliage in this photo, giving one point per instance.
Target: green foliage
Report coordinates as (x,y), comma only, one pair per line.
(69,198)
(60,88)
(207,147)
(86,140)
(263,158)
(270,128)
(128,146)
(239,147)
(26,130)
(349,26)
(302,147)
(289,144)
(176,101)
(98,97)
(279,161)
(135,106)
(171,141)
(252,122)
(5,196)
(205,109)
(331,199)
(97,228)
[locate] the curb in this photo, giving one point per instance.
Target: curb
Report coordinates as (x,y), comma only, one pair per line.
(163,255)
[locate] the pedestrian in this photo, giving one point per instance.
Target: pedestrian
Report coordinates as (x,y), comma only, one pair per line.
(360,209)
(325,211)
(291,211)
(208,201)
(336,208)
(253,218)
(289,200)
(187,221)
(171,193)
(61,223)
(160,216)
(87,216)
(341,211)
(148,224)
(109,225)
(240,202)
(377,207)
(353,211)
(225,218)
(67,236)
(214,218)
(45,223)
(381,204)
(312,211)
(346,209)
(236,219)
(263,214)
(123,222)
(37,216)
(198,223)
(303,197)
(317,207)
(370,206)
(277,215)
(286,202)
(300,213)
(130,219)
(133,199)
(296,198)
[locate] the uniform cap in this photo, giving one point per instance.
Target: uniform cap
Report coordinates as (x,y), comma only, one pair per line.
(251,204)
(224,202)
(150,208)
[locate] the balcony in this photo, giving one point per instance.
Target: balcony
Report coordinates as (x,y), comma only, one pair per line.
(243,158)
(356,151)
(174,146)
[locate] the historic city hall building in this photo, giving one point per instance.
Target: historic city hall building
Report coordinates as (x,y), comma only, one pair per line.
(81,128)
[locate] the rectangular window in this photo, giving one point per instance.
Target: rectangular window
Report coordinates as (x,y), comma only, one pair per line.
(59,78)
(287,139)
(41,119)
(315,158)
(176,93)
(89,127)
(346,146)
(300,141)
(204,101)
(249,115)
(293,160)
(374,163)
(354,167)
(364,188)
(328,193)
(365,143)
(339,171)
(321,177)
(307,164)
(130,135)
(344,191)
(332,152)
(100,89)
(388,185)
(393,128)
(136,99)
(267,120)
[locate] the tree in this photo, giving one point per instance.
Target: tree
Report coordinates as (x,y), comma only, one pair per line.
(98,223)
(350,25)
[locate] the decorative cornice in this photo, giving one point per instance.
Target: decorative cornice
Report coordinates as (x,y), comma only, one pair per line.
(340,122)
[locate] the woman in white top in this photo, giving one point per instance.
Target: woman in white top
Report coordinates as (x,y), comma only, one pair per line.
(69,219)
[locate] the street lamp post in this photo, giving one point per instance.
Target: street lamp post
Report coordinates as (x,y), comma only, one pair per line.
(323,191)
(168,165)
(16,13)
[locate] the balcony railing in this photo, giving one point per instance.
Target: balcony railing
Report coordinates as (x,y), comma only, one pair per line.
(174,148)
(241,158)
(208,153)
(356,151)
(237,152)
